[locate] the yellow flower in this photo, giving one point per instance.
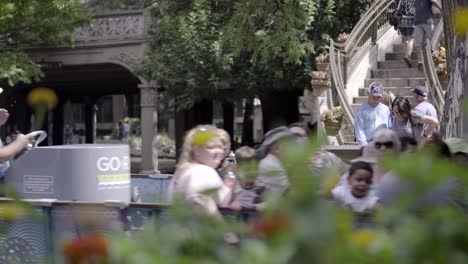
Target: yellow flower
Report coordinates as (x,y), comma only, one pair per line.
(12,211)
(460,21)
(42,96)
(442,49)
(202,137)
(328,184)
(362,238)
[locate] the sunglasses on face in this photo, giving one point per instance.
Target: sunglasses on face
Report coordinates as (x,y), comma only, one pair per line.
(388,144)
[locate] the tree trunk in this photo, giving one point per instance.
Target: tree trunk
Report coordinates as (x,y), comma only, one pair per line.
(228,118)
(457,59)
(201,113)
(279,108)
(247,128)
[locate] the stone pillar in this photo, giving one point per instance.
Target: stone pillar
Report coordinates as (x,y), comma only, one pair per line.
(90,120)
(149,127)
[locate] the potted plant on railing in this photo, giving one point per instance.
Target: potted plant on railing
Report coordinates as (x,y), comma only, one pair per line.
(439,56)
(342,37)
(320,82)
(332,120)
(322,62)
(442,74)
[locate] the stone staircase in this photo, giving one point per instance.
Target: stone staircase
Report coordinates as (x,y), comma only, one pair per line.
(394,75)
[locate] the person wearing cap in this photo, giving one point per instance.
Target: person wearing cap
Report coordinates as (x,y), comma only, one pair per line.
(271,172)
(422,105)
(407,121)
(371,115)
(459,149)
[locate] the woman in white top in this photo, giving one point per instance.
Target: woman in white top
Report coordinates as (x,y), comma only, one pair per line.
(196,181)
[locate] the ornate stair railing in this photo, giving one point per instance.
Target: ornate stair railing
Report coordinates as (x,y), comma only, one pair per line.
(344,58)
(436,93)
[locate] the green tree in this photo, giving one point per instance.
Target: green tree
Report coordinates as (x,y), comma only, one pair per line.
(207,49)
(35,23)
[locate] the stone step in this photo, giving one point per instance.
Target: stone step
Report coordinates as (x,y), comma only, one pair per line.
(403,91)
(399,48)
(355,107)
(397,73)
(396,82)
(399,56)
(396,64)
(363,99)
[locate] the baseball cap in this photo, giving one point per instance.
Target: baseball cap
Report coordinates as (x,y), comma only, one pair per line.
(420,90)
(376,89)
(457,145)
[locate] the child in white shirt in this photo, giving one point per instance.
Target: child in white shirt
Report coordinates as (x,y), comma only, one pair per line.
(355,194)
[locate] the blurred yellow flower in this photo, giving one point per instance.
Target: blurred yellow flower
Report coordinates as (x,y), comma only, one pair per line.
(12,211)
(460,21)
(362,238)
(202,137)
(42,96)
(328,184)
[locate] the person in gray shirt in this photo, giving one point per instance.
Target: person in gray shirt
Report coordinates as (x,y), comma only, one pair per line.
(422,105)
(423,24)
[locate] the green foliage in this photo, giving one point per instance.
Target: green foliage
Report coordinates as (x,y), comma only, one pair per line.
(205,49)
(95,6)
(16,66)
(29,23)
(304,228)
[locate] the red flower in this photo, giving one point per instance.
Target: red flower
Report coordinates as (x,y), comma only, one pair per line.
(91,248)
(268,225)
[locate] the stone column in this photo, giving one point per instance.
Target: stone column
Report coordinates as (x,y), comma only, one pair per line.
(149,127)
(91,120)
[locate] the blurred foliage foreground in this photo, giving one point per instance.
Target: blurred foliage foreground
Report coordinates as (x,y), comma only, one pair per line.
(303,227)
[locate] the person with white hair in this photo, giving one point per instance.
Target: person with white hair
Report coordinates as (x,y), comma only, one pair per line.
(371,115)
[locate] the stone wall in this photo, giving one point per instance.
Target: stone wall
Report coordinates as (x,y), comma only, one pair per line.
(453,124)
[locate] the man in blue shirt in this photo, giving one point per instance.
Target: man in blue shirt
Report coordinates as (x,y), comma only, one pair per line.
(372,115)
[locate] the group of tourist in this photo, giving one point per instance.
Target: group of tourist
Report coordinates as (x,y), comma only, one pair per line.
(419,123)
(363,186)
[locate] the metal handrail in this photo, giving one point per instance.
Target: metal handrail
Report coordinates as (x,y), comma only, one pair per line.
(337,82)
(366,32)
(344,57)
(436,94)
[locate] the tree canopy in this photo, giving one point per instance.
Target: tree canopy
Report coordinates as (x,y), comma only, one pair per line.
(28,23)
(211,49)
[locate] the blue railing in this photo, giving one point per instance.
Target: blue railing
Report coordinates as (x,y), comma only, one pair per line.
(39,238)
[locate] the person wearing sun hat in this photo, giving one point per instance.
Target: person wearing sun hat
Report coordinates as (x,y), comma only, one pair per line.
(271,172)
(371,115)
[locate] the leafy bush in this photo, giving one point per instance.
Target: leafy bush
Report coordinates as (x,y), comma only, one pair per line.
(302,227)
